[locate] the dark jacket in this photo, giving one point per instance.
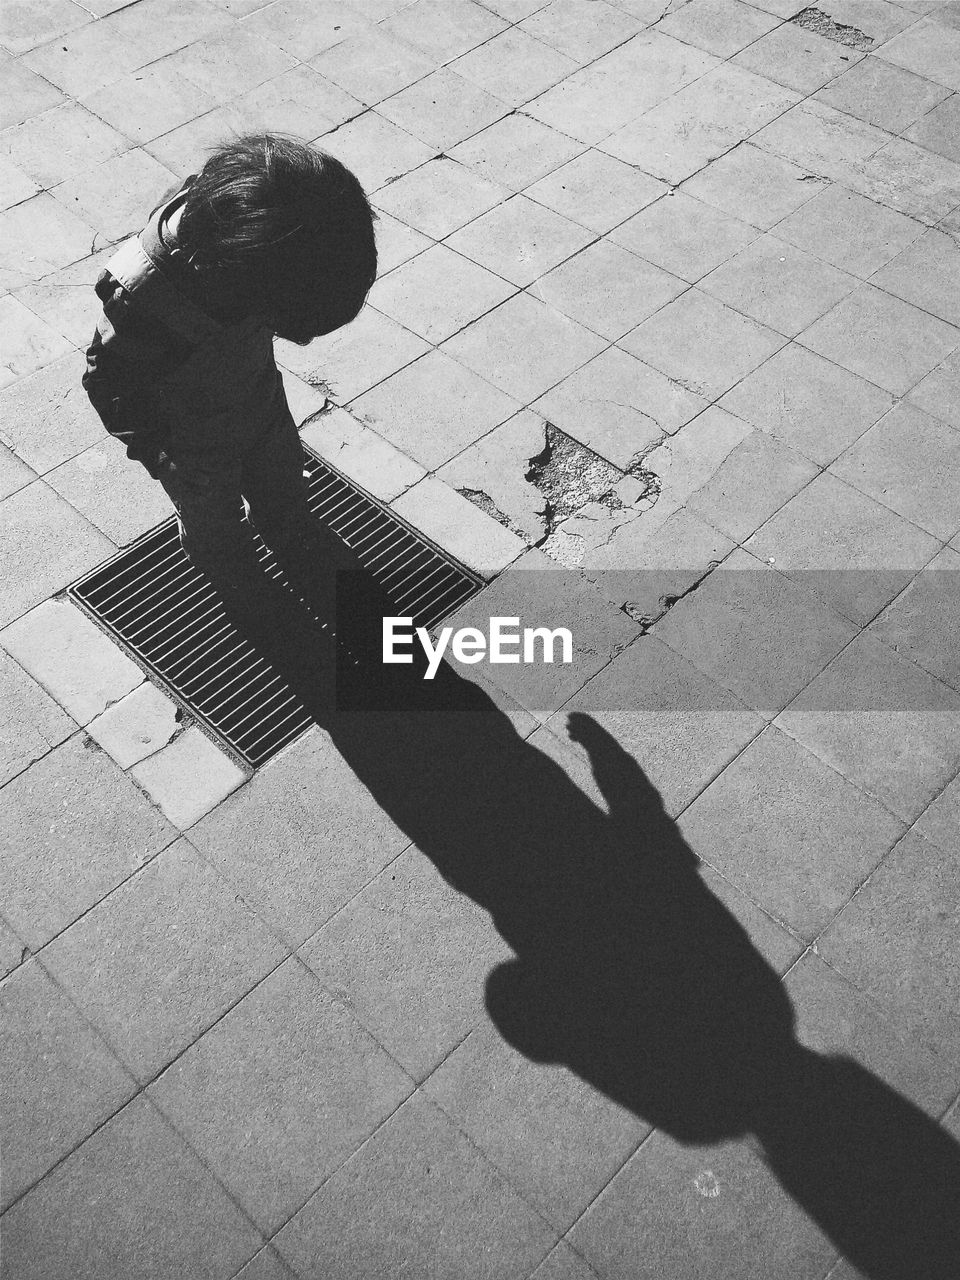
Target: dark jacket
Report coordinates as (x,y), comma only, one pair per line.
(168,373)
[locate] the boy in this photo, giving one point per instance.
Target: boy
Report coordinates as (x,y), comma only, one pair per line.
(271,237)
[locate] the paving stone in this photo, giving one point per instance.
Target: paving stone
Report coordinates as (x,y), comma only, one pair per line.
(881,94)
(115,495)
(797,58)
(939,392)
(702,343)
(439,197)
(778,285)
(688,460)
(347,363)
(608,289)
(881,338)
(12,951)
(753,185)
(116,196)
(31,24)
(417,1194)
(835,541)
(524,347)
(683,236)
(908,178)
(520,240)
(514,67)
(516,151)
(188,777)
(442,109)
(849,230)
(60,1080)
(320,838)
(266,1265)
(136,726)
(303,400)
(820,139)
(438,292)
(755,632)
(305,29)
(60,143)
(14,474)
(542,596)
(40,235)
(833,1017)
(279,1093)
(939,129)
(649,562)
(666,1213)
(809,403)
(63,298)
(151,101)
(618,406)
(680,727)
(581,29)
(24,93)
(779,948)
(15,185)
(32,724)
(608,94)
(456,525)
(698,124)
(372,65)
(73,659)
(409,955)
(27,343)
(596,190)
(756,478)
(894,941)
(158,1212)
(229,63)
(563,1264)
(375,150)
(92,55)
(722,27)
(876,18)
(910,463)
(434,408)
(828,836)
(69,804)
(496,467)
(927,273)
(555,1137)
(162,958)
(882,722)
(360,453)
(921,623)
(396,243)
(44,545)
(441,29)
(928,49)
(940,822)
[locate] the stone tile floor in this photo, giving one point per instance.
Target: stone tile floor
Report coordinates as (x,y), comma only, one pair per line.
(415,1007)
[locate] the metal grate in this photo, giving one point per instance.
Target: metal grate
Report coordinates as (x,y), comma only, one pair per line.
(168,617)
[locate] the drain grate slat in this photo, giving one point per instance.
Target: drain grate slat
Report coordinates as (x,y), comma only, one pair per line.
(169,618)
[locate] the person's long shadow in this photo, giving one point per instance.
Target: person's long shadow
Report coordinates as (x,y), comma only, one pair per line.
(628,970)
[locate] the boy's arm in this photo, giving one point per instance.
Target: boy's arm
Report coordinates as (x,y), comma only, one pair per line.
(130,356)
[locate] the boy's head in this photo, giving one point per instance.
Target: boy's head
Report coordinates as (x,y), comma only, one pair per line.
(283,230)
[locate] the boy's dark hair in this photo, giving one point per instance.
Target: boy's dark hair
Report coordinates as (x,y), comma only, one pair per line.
(287,229)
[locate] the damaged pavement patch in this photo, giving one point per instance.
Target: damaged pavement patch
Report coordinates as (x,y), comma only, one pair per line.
(822,24)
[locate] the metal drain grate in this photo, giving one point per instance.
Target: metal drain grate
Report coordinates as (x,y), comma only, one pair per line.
(170,620)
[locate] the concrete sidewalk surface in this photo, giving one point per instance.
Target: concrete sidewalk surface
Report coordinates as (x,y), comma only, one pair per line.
(645,967)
